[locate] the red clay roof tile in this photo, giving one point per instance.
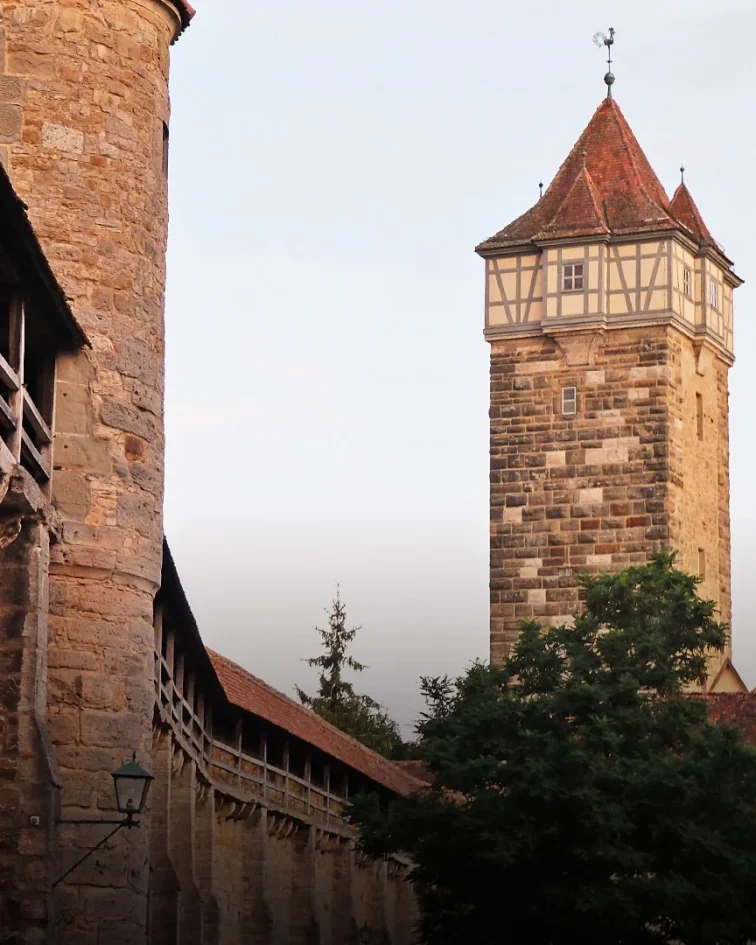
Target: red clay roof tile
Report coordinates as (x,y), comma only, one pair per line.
(580,213)
(618,179)
(253,695)
(737,708)
(685,211)
(187,12)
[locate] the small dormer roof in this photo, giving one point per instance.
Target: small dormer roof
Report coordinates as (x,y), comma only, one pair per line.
(685,211)
(606,186)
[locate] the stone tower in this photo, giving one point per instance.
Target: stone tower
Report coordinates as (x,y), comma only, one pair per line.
(609,310)
(84,113)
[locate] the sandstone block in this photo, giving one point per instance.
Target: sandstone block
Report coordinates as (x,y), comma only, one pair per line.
(72,494)
(593,496)
(599,457)
(84,453)
(513,514)
(10,122)
(599,561)
(556,458)
(110,730)
(61,138)
(130,419)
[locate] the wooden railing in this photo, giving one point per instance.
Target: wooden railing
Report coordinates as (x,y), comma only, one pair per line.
(24,429)
(223,764)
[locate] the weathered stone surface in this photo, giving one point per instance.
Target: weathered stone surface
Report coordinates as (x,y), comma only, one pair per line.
(601,489)
(72,494)
(10,122)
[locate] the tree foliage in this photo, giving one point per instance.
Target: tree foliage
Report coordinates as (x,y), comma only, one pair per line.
(336,701)
(580,794)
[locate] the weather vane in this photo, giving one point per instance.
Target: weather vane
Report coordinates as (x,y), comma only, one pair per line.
(601,40)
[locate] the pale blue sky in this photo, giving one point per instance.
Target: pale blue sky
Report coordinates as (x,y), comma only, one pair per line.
(333,165)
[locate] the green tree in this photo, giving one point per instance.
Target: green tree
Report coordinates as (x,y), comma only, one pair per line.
(336,700)
(581,794)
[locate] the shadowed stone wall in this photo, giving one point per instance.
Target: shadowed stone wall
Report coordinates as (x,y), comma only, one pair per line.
(83,103)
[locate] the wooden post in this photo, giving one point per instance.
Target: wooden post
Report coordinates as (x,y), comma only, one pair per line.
(47,409)
(264,752)
(170,659)
(286,770)
(16,353)
(239,737)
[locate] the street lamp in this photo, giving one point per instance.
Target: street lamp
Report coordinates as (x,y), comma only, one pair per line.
(132,785)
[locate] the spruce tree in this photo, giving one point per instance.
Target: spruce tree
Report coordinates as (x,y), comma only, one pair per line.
(336,701)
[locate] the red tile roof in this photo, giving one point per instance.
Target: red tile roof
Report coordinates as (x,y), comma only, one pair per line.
(684,210)
(186,11)
(738,708)
(253,695)
(605,186)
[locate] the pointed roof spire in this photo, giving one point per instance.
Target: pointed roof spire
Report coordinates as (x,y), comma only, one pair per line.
(683,208)
(629,193)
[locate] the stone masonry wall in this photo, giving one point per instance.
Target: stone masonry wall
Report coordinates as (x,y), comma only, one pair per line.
(83,101)
(699,470)
(28,796)
(225,872)
(600,490)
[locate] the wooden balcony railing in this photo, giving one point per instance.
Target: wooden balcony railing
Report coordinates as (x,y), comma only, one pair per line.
(250,776)
(25,427)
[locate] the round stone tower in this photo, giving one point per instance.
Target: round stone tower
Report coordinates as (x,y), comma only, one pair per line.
(84,112)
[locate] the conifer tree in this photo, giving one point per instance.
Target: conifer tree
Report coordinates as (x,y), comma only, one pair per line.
(336,701)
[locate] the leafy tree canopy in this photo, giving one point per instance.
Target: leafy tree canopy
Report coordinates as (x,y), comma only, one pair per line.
(580,795)
(336,700)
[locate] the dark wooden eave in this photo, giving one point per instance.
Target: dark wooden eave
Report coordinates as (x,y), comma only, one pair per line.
(23,248)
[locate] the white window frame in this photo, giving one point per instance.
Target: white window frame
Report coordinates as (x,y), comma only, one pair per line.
(714,295)
(687,282)
(569,401)
(572,279)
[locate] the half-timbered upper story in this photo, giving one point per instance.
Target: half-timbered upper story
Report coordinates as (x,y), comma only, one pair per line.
(36,326)
(606,246)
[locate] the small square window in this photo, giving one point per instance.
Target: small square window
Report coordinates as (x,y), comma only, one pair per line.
(572,277)
(714,295)
(687,282)
(569,401)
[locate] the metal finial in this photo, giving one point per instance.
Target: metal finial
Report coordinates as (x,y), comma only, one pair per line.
(540,188)
(682,174)
(601,40)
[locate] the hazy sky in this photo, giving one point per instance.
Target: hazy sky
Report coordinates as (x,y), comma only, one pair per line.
(333,164)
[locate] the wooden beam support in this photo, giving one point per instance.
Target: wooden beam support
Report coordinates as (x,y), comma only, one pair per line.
(34,453)
(8,376)
(35,419)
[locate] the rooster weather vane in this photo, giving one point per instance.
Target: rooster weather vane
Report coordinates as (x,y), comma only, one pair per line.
(601,40)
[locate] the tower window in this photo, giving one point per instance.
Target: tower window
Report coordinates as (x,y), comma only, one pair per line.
(699,416)
(569,401)
(714,295)
(166,137)
(687,282)
(701,563)
(572,277)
